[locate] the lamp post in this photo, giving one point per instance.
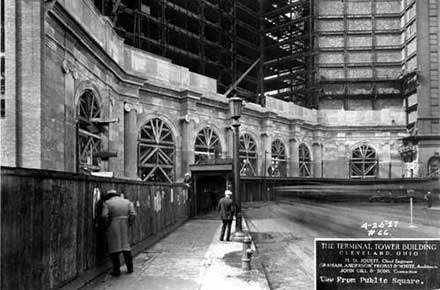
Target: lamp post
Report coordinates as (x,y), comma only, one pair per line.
(235,104)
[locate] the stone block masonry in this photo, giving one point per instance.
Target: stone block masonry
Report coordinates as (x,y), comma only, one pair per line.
(78,58)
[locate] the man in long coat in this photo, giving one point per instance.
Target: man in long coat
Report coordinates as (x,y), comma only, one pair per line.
(428,197)
(120,214)
(227,210)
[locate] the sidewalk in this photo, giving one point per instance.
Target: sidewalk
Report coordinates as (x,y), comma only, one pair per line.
(191,258)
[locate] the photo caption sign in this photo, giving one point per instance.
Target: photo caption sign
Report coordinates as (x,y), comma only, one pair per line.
(377,264)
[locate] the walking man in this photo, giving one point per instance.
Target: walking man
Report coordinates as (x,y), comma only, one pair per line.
(119,214)
(227,210)
(428,198)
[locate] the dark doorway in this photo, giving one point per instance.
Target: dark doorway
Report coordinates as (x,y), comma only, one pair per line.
(210,181)
(209,190)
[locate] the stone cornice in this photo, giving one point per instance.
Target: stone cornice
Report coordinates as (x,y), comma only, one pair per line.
(179,96)
(160,91)
(206,102)
(69,24)
(188,94)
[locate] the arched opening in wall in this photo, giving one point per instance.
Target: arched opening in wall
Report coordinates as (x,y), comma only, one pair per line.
(434,166)
(156,152)
(89,134)
(278,167)
(363,162)
(305,161)
(207,147)
(248,155)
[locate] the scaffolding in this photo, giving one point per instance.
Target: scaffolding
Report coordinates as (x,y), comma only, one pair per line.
(223,38)
(287,51)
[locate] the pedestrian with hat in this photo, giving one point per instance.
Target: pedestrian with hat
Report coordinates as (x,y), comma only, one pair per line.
(428,198)
(119,214)
(226,207)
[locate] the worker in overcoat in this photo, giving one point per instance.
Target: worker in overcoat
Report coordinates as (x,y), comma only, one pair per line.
(428,198)
(119,214)
(226,207)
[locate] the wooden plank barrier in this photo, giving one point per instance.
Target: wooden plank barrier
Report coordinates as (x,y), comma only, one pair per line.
(49,234)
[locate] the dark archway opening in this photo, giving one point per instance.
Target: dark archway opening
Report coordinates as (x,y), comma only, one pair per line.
(209,190)
(209,187)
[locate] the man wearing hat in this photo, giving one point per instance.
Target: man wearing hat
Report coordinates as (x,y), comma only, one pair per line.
(119,214)
(226,208)
(428,198)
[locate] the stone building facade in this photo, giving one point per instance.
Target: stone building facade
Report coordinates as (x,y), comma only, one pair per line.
(78,99)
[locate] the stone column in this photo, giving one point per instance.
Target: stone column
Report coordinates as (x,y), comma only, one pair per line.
(265,155)
(317,159)
(293,161)
(383,155)
(188,119)
(70,134)
(229,142)
(187,152)
(266,142)
(130,141)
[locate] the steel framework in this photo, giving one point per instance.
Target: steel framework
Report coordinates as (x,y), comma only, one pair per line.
(223,38)
(287,51)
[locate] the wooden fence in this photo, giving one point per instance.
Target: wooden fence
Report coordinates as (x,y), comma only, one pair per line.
(256,189)
(48,230)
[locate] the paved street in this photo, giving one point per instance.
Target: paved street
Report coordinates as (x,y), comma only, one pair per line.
(284,232)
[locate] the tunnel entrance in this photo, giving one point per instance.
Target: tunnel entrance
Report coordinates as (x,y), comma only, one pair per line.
(209,184)
(209,190)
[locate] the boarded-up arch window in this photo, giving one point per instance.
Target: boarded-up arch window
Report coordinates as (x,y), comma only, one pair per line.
(207,146)
(305,161)
(248,155)
(156,152)
(363,162)
(89,138)
(434,166)
(279,159)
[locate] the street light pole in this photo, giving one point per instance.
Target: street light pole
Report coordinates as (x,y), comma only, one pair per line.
(235,104)
(236,170)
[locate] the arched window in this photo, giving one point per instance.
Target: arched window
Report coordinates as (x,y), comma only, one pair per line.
(279,160)
(156,151)
(363,162)
(434,166)
(89,138)
(305,161)
(248,155)
(207,146)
